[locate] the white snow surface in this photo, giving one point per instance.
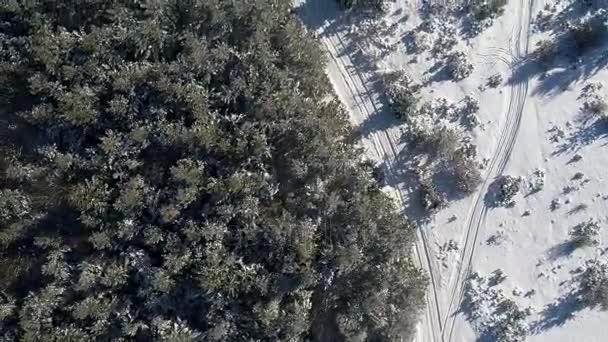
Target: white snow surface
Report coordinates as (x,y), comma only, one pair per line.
(515,136)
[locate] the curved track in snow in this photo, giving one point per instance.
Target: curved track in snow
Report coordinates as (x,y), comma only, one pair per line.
(516,102)
(352,86)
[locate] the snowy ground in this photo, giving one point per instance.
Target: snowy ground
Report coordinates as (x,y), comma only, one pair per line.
(528,123)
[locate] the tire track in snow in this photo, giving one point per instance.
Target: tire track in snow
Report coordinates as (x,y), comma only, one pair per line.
(517,101)
(382,140)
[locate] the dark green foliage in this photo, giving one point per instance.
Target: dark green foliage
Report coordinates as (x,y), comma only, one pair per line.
(594,285)
(588,32)
(484,9)
(377,5)
(180,171)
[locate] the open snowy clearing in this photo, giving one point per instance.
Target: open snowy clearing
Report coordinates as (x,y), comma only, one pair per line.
(531,121)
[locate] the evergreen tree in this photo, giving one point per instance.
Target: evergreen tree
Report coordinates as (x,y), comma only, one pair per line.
(180,171)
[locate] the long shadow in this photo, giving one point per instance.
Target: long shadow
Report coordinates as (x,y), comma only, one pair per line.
(329,19)
(318,13)
(561,250)
(491,198)
(589,131)
(558,313)
(570,63)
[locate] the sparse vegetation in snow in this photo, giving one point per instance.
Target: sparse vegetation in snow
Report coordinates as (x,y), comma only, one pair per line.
(494,81)
(537,181)
(481,10)
(480,14)
(431,199)
(588,32)
(545,51)
(458,66)
(402,93)
(509,186)
(466,172)
(594,284)
(377,5)
(494,315)
(594,101)
(585,234)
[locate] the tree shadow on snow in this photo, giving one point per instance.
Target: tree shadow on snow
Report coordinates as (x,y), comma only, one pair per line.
(588,131)
(569,64)
(491,198)
(561,250)
(329,20)
(558,313)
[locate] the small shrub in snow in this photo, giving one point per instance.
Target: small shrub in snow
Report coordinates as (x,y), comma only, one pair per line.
(498,276)
(555,204)
(377,5)
(594,284)
(496,239)
(495,316)
(537,182)
(422,41)
(569,189)
(458,66)
(432,200)
(402,93)
(585,234)
(576,158)
(509,322)
(578,176)
(441,142)
(446,41)
(509,187)
(588,32)
(466,172)
(485,9)
(468,111)
(594,102)
(545,51)
(494,81)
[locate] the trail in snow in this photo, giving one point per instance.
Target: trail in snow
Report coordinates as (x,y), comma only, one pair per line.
(385,147)
(386,150)
(517,98)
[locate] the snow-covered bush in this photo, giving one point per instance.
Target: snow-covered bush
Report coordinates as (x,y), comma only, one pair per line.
(509,186)
(588,32)
(544,18)
(402,93)
(422,41)
(437,142)
(585,234)
(432,200)
(495,316)
(508,324)
(480,10)
(458,66)
(468,111)
(466,172)
(537,181)
(379,5)
(497,238)
(439,108)
(545,51)
(446,41)
(594,284)
(555,204)
(494,81)
(594,101)
(480,14)
(498,276)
